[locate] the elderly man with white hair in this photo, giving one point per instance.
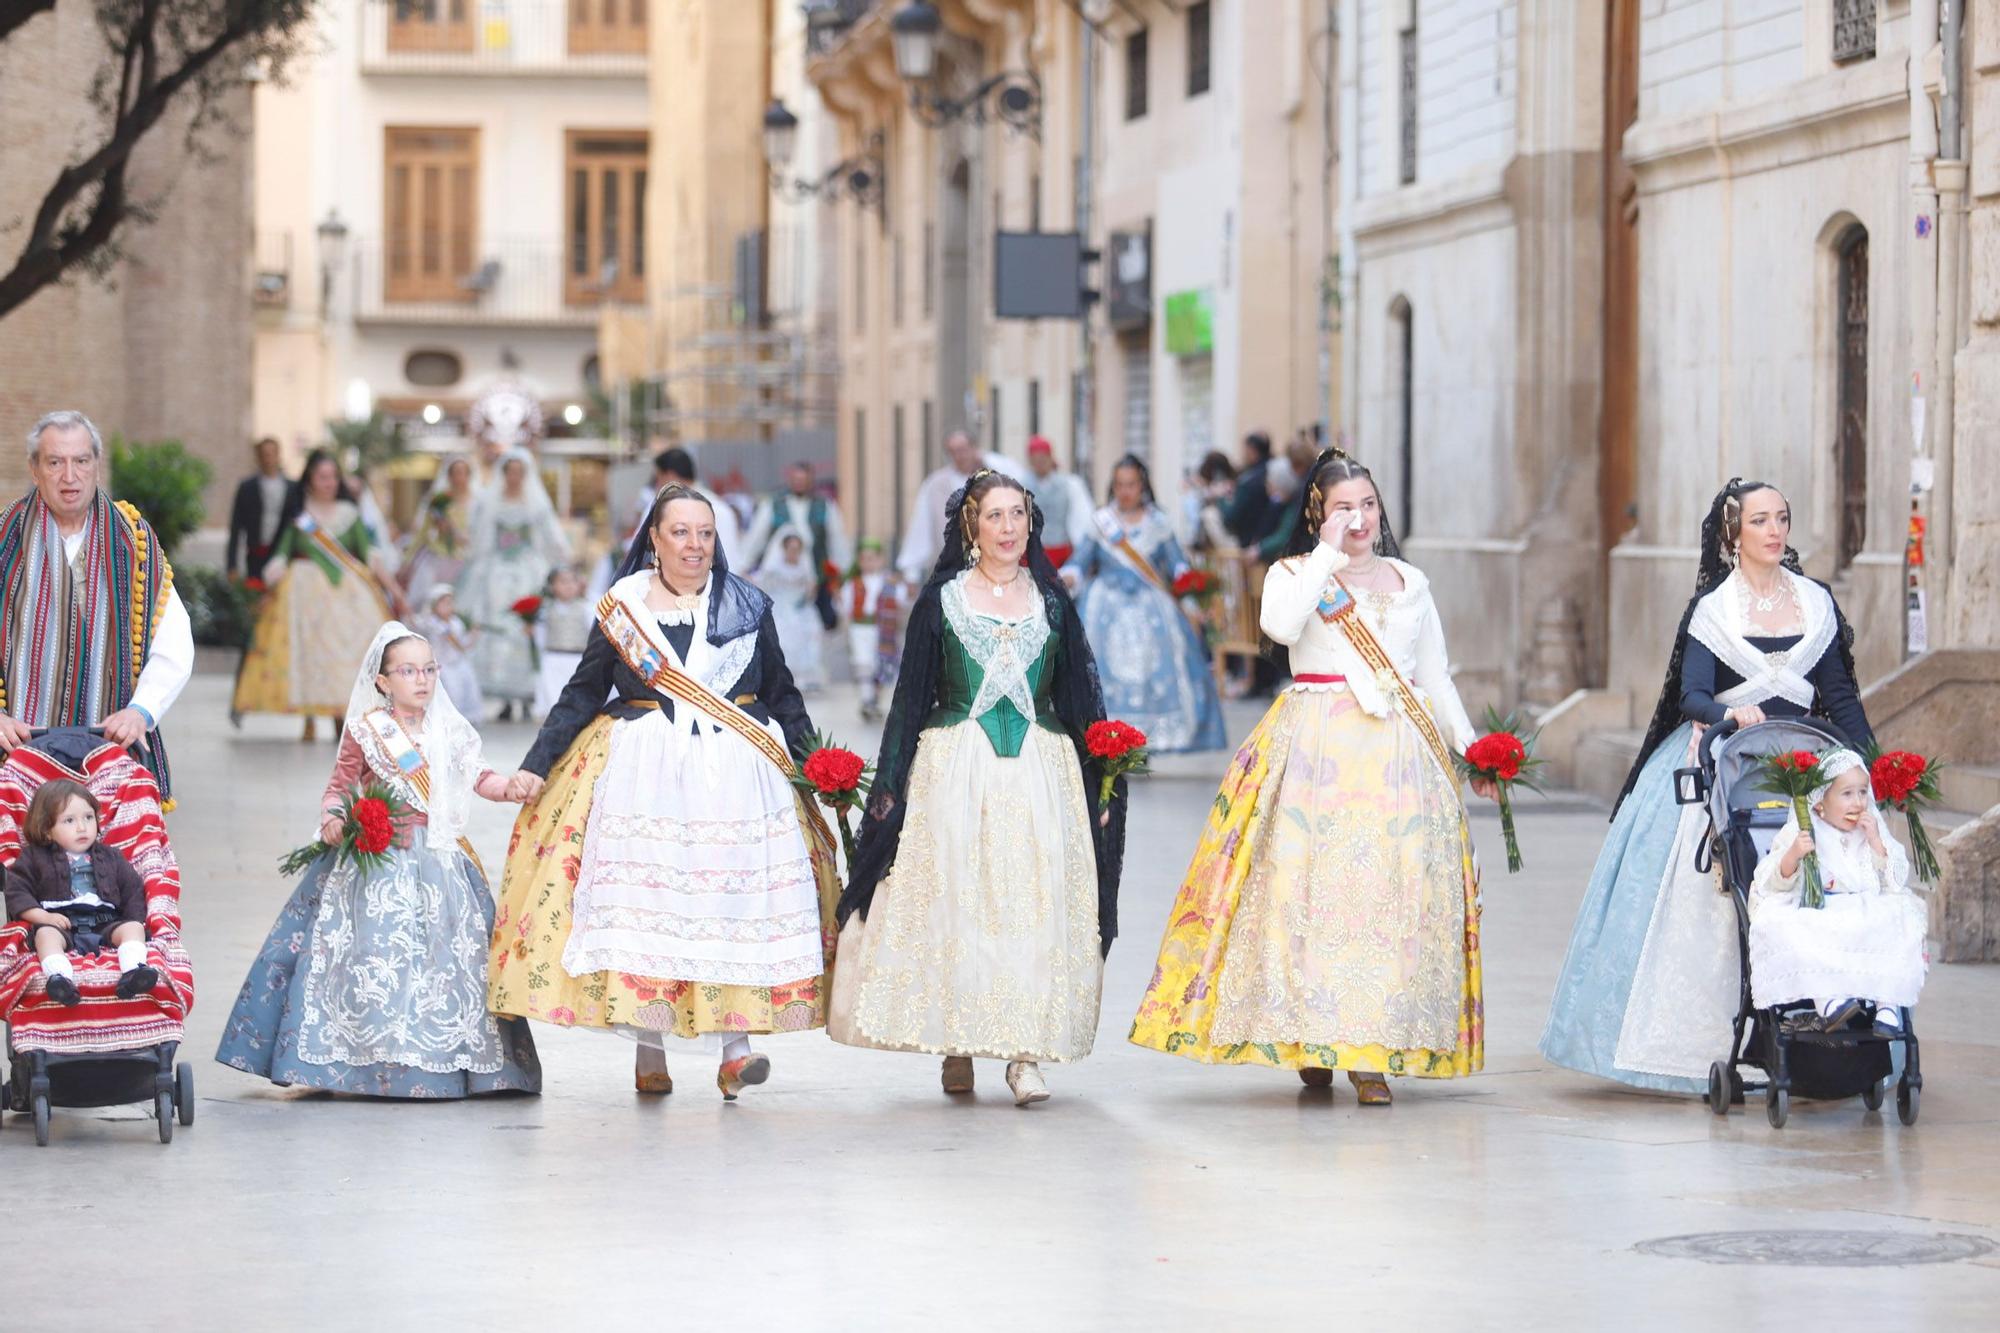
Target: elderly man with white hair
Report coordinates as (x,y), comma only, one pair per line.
(92,633)
(923,538)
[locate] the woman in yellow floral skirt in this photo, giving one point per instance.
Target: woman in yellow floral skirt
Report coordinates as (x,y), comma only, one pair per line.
(1330,918)
(669,880)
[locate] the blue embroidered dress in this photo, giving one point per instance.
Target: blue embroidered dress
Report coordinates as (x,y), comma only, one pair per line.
(1152,664)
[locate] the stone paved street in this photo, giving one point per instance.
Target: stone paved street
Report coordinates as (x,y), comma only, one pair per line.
(848,1193)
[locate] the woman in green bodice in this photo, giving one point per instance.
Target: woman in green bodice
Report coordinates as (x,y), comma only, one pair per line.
(984,889)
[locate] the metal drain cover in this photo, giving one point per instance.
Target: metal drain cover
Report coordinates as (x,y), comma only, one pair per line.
(1820,1249)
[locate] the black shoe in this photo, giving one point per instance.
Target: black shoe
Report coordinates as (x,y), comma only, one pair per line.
(139,981)
(63,991)
(1843,1013)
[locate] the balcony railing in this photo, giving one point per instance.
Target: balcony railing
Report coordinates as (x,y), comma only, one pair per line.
(439,279)
(584,38)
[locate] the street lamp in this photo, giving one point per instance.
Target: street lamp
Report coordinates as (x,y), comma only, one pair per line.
(858,178)
(1017,96)
(332,234)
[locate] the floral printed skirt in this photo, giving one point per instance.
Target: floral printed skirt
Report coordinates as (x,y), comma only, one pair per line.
(309,634)
(526,976)
(1330,918)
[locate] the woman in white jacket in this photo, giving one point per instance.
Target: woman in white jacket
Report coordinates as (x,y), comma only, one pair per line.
(1330,918)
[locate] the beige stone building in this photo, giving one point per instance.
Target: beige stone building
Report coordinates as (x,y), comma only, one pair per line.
(448,196)
(161,347)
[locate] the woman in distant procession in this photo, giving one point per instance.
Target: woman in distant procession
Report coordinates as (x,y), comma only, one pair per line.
(516,541)
(984,891)
(1330,918)
(667,879)
(444,533)
(329,588)
(1155,667)
(1648,990)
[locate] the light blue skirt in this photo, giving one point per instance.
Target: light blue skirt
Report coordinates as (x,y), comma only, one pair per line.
(374,982)
(1152,665)
(1595,985)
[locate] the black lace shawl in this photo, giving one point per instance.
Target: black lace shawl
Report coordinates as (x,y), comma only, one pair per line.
(735,606)
(1077,700)
(1715,567)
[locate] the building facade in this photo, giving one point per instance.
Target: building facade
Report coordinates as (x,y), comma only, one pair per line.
(1600,258)
(446,200)
(160,346)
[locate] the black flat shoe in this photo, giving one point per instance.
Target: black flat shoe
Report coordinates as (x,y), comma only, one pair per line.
(63,991)
(139,981)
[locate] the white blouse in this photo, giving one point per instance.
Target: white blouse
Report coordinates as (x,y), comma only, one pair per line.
(1408,629)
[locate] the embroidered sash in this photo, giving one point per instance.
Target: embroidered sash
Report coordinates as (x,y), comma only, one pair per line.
(383,739)
(1338,608)
(640,649)
(1112,532)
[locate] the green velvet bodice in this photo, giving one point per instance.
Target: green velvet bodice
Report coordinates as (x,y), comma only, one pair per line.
(959,684)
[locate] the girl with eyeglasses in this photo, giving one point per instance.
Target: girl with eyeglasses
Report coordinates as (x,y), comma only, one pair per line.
(373,980)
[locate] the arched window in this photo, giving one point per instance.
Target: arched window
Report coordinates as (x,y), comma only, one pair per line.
(1402,381)
(1851,393)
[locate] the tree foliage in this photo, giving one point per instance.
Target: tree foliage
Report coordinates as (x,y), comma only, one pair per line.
(160,55)
(165,481)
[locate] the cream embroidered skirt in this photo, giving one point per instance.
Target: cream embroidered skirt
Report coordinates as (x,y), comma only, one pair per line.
(982,938)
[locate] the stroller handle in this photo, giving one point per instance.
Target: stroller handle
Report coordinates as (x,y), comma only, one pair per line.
(1720,731)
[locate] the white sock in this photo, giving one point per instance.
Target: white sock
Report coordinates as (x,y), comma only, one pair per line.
(735,1049)
(57,965)
(1889,1015)
(131,954)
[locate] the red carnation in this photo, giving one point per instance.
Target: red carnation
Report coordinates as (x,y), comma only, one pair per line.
(377,830)
(1803,760)
(834,771)
(1499,755)
(1112,739)
(1897,774)
(527,608)
(1193,583)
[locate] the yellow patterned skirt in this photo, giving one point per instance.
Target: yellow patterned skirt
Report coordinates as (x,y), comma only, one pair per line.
(308,641)
(1330,918)
(531,928)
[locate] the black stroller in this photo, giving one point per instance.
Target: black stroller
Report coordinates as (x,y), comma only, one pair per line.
(1743,820)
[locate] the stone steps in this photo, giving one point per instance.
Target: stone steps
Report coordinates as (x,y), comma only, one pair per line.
(1973,787)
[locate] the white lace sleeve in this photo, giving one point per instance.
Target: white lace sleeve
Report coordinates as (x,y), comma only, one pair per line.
(1292,591)
(1433,677)
(1767,884)
(1896,874)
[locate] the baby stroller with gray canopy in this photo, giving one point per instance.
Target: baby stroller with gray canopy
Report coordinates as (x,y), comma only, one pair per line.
(1784,1060)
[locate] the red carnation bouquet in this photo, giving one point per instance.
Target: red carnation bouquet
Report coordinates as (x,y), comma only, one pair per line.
(369,816)
(1795,776)
(840,779)
(529,611)
(1908,782)
(1120,748)
(1196,583)
(1508,760)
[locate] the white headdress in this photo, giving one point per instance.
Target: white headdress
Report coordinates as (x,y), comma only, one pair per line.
(448,744)
(1845,861)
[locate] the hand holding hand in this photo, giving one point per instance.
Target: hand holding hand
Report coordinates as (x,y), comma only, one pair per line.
(524,787)
(126,727)
(13,732)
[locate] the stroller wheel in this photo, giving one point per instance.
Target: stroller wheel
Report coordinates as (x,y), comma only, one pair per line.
(1906,1100)
(163,1111)
(1777,1106)
(41,1120)
(1871,1097)
(1718,1088)
(184,1092)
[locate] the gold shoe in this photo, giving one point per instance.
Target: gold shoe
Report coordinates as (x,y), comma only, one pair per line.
(742,1072)
(649,1072)
(1315,1077)
(957,1074)
(1370,1089)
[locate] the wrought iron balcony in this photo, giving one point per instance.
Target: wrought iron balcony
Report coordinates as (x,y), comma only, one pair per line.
(580,38)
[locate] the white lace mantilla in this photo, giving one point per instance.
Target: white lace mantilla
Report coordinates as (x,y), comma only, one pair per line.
(1004,649)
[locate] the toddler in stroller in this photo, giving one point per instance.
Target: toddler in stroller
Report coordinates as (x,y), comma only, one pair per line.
(78,893)
(114,1043)
(1865,945)
(1791,957)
